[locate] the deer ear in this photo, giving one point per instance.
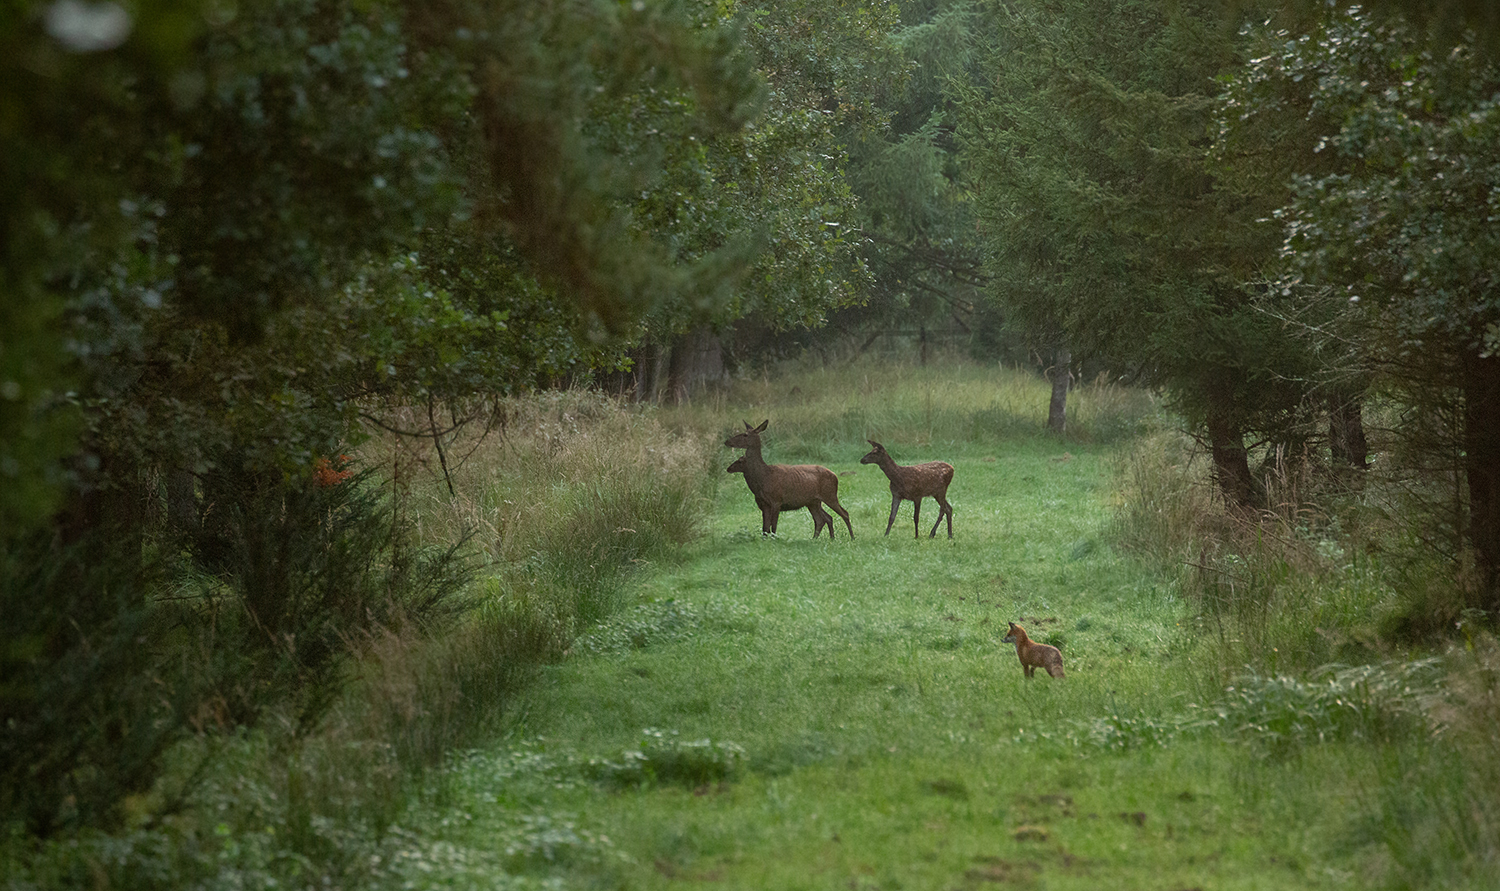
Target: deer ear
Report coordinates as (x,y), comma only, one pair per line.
(763,425)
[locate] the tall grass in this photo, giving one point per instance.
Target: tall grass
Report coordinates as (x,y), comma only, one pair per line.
(1289,589)
(564,495)
(1309,613)
(951,403)
(559,498)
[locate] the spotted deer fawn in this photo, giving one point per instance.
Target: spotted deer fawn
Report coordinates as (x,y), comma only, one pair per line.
(913,483)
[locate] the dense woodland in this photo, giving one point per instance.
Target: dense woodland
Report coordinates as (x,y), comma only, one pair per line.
(240,239)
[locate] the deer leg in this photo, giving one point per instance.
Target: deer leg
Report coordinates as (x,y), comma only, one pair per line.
(820,519)
(895,506)
(839,509)
(916,524)
(946,510)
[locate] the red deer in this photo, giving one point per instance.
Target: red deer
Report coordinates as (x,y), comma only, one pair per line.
(913,483)
(820,516)
(781,487)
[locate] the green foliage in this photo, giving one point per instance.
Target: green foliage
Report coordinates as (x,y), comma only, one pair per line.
(90,700)
(664,758)
(1107,231)
(107,666)
(304,571)
(1338,702)
(1393,121)
(1387,193)
(918,230)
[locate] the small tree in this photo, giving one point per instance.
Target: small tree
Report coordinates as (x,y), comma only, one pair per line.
(1105,223)
(1396,218)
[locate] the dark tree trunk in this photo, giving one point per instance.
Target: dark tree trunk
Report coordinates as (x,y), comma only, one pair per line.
(697,361)
(108,512)
(1226,439)
(1346,430)
(1062,379)
(1482,466)
(651,363)
(182,502)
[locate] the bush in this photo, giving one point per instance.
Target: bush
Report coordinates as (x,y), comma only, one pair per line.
(306,570)
(1371,702)
(90,699)
(108,662)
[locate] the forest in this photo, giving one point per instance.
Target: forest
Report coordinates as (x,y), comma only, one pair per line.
(366,369)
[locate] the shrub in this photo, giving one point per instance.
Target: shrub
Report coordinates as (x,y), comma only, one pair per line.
(109,662)
(306,569)
(90,699)
(1382,702)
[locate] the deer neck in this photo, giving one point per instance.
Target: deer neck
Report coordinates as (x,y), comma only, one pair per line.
(755,465)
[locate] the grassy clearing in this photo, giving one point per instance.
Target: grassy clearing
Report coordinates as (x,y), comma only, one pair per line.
(890,739)
(648,694)
(855,722)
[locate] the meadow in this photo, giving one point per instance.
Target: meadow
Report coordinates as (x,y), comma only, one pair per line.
(647,693)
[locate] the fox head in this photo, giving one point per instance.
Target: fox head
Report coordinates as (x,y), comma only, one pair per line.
(1010,635)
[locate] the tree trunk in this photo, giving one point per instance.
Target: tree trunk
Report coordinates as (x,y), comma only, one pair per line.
(1231,459)
(1482,466)
(697,361)
(182,502)
(108,513)
(1062,379)
(651,365)
(1346,430)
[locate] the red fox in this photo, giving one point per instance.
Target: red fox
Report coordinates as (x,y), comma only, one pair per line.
(1034,655)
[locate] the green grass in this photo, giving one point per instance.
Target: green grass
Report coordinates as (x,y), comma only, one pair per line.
(889,737)
(651,695)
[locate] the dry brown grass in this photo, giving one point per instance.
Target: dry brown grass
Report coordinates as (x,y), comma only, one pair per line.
(560,496)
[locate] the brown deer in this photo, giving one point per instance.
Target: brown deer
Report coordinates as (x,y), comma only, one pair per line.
(781,487)
(913,483)
(819,515)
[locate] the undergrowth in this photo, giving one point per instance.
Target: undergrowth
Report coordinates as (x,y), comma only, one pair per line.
(787,685)
(1329,618)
